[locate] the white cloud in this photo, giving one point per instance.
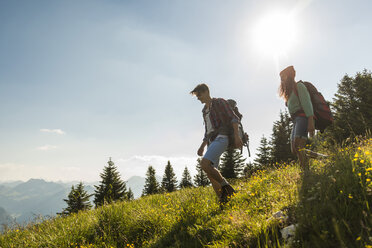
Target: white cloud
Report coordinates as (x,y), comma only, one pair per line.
(138,165)
(46,148)
(57,131)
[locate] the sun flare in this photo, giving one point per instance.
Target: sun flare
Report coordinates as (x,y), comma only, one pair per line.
(274,34)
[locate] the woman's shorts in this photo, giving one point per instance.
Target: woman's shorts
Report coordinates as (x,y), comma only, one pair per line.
(299,128)
(216,148)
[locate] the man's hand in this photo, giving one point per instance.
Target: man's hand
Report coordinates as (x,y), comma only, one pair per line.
(201,151)
(310,126)
(201,148)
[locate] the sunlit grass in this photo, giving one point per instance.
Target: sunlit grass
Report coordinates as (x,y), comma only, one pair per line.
(331,207)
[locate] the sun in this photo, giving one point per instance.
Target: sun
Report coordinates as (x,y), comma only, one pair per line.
(274,34)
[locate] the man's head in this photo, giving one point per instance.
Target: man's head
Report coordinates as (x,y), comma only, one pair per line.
(201,91)
(288,73)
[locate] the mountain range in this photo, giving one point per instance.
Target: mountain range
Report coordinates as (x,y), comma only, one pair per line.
(23,202)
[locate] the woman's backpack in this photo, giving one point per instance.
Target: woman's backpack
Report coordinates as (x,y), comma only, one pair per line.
(322,112)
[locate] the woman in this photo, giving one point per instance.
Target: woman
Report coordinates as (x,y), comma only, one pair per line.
(300,108)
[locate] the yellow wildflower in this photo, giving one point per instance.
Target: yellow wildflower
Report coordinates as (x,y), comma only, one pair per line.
(368,180)
(362,161)
(359,238)
(350,196)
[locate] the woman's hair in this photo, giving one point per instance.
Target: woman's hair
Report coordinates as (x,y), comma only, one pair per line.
(287,85)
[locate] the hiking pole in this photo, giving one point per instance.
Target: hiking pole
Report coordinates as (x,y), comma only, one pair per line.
(249,152)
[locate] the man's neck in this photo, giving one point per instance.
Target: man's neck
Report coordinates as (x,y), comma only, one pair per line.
(208,102)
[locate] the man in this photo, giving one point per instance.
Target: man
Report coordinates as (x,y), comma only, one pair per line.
(221,128)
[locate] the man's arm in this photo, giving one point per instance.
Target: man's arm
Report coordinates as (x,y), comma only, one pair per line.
(238,143)
(226,108)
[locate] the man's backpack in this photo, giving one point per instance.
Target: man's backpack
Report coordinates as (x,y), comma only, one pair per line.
(243,135)
(322,112)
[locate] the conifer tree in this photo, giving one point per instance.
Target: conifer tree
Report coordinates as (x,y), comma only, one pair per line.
(232,163)
(352,107)
(263,156)
(130,195)
(151,184)
(249,169)
(78,199)
(169,182)
(186,180)
(280,139)
(200,179)
(111,187)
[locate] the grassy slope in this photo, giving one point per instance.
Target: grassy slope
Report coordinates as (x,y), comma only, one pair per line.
(331,207)
(334,208)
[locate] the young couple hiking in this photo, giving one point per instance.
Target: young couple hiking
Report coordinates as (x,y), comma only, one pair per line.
(222,127)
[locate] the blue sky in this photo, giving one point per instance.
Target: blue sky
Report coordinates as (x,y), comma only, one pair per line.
(82,81)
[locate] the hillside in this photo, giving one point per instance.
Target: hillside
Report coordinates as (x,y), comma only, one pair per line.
(330,207)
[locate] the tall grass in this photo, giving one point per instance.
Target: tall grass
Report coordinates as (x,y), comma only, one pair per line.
(331,207)
(334,208)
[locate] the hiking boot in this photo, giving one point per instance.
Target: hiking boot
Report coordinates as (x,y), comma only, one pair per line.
(222,200)
(227,192)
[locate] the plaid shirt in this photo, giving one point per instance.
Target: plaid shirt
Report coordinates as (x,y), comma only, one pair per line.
(221,116)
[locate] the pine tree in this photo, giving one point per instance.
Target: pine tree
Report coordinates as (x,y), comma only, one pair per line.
(151,184)
(280,139)
(78,199)
(112,188)
(263,156)
(169,182)
(249,169)
(130,195)
(352,107)
(200,179)
(186,180)
(232,163)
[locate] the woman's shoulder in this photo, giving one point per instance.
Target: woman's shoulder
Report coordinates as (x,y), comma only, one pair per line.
(301,86)
(300,83)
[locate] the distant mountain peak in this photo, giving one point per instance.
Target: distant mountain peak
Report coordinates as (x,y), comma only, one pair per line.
(32,180)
